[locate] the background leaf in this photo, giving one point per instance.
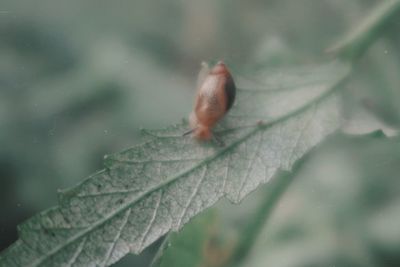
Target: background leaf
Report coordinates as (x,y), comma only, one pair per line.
(346,214)
(189,247)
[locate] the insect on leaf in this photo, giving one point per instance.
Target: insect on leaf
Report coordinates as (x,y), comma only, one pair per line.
(159,185)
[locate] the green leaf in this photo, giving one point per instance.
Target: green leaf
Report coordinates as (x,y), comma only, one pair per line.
(159,185)
(187,247)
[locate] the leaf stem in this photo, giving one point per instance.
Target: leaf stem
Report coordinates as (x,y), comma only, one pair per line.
(358,40)
(273,193)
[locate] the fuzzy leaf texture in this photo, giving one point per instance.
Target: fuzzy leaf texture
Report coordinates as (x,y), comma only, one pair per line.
(159,185)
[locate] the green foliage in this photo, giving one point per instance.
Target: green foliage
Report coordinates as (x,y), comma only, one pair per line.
(157,186)
(160,184)
(189,247)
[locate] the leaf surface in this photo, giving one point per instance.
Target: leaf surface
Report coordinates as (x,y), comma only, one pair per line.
(159,185)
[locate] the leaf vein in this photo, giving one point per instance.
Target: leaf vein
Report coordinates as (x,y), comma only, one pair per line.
(121,228)
(77,252)
(153,217)
(251,163)
(195,191)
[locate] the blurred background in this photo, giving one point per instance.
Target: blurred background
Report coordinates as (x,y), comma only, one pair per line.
(78,79)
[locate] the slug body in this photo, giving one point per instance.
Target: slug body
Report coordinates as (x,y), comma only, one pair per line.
(215,96)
